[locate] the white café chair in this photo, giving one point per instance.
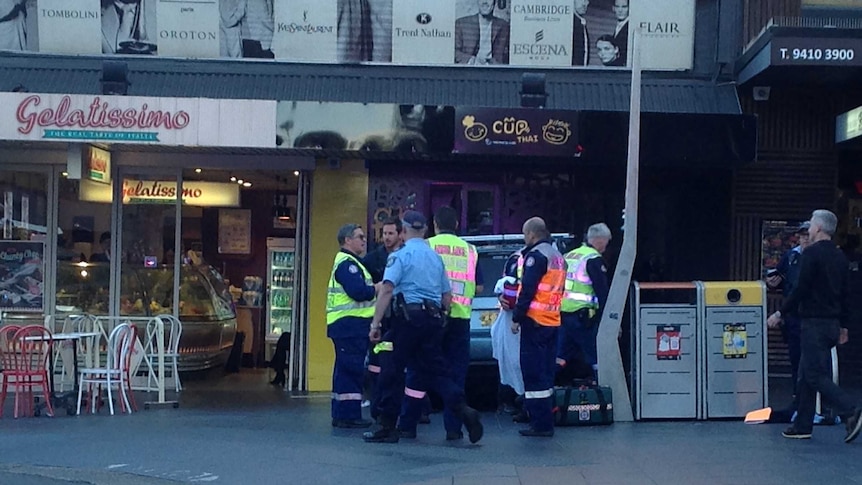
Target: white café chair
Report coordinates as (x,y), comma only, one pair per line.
(88,348)
(114,374)
(173,329)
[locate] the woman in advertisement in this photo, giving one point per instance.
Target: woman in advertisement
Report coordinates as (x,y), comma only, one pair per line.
(13,33)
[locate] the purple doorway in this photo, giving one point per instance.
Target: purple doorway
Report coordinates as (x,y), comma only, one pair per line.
(477,204)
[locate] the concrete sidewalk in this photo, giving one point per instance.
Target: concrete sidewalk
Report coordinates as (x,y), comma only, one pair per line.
(240,430)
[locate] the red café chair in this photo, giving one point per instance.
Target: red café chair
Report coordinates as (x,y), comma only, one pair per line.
(32,368)
(8,360)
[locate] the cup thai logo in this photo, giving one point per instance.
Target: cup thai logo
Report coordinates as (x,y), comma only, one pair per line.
(510,126)
(556,132)
(423,19)
(473,130)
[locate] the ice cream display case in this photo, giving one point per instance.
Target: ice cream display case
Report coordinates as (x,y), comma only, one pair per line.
(205,309)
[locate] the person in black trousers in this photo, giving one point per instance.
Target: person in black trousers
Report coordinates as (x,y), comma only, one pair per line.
(821,301)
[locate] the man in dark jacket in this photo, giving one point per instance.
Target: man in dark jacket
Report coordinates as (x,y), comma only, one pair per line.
(821,300)
(482,38)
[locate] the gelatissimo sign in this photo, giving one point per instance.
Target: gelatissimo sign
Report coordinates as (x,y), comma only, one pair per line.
(201,194)
(129,119)
(516,131)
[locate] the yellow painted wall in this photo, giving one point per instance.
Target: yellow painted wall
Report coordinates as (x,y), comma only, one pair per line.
(338,196)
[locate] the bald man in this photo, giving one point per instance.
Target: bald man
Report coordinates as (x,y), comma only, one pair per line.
(542,277)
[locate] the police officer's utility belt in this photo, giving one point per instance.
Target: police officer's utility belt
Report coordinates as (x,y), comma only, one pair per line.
(428,307)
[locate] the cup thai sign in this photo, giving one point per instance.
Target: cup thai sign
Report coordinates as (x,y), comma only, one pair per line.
(21,274)
(128,119)
(516,131)
(593,34)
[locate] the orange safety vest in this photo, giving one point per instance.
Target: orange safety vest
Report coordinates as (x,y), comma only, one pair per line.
(545,307)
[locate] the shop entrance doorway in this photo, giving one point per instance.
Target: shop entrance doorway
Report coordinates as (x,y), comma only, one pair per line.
(477,204)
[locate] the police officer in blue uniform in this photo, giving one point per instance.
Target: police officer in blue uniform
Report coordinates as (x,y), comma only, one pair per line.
(416,279)
(349,308)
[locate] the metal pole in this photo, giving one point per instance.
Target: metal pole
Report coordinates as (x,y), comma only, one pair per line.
(611,371)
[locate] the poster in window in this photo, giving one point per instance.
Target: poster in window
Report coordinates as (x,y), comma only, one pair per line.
(234,231)
(21,276)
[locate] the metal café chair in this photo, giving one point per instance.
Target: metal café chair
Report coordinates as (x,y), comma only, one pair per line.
(114,374)
(173,329)
(35,344)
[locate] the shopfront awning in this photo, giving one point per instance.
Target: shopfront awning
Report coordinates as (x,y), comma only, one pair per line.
(799,51)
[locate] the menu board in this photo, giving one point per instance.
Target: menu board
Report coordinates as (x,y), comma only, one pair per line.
(21,274)
(234,231)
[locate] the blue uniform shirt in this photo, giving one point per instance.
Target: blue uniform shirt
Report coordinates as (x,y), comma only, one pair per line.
(417,271)
(535,267)
(598,273)
(349,275)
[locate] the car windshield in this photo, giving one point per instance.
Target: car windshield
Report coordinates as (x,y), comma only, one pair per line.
(491,264)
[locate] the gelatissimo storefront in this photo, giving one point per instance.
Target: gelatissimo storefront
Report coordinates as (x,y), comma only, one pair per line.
(116,205)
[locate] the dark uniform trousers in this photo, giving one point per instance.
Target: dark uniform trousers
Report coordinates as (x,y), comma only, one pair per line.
(416,344)
(577,342)
(347,377)
(819,335)
(374,368)
(791,330)
(456,352)
(538,356)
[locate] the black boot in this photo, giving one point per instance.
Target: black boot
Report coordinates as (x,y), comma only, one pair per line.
(382,432)
(279,379)
(470,417)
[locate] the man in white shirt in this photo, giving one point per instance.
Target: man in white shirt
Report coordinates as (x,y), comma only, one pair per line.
(482,38)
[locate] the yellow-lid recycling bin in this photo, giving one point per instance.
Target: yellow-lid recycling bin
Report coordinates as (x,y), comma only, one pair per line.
(735,347)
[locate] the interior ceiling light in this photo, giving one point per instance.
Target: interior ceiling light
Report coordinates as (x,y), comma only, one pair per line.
(240,181)
(232,178)
(65,174)
(197,170)
(246,184)
(296,172)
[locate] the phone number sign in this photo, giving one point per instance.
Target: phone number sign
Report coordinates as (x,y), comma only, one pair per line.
(813,51)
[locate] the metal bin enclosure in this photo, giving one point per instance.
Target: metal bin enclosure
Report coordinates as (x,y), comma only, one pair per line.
(666,380)
(735,347)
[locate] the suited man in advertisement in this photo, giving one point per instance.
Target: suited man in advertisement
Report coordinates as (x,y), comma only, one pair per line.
(482,38)
(621,31)
(580,35)
(13,31)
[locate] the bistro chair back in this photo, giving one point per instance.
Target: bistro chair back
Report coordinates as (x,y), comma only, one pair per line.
(173,331)
(8,360)
(114,374)
(35,343)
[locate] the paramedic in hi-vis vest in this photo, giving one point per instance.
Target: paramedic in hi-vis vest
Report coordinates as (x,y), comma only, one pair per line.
(587,290)
(542,275)
(349,309)
(460,259)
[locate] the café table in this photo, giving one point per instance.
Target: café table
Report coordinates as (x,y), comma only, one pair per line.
(67,400)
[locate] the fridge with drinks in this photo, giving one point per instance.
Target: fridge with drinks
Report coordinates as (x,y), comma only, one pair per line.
(281,283)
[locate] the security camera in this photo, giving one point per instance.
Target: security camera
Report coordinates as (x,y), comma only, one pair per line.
(760,93)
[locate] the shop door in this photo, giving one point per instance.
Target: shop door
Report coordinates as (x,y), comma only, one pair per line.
(477,204)
(145,257)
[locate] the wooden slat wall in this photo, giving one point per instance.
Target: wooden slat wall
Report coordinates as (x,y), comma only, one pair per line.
(758,12)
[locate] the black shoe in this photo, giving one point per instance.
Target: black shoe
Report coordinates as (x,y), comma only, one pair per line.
(381,434)
(424,419)
(854,425)
(454,435)
(795,434)
(533,432)
(411,435)
(470,417)
(278,381)
(509,409)
(521,417)
(350,423)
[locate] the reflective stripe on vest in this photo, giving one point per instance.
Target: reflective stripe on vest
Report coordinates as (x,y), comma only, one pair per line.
(459,259)
(579,292)
(338,303)
(545,307)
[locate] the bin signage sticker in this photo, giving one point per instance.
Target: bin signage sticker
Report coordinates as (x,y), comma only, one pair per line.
(735,341)
(668,342)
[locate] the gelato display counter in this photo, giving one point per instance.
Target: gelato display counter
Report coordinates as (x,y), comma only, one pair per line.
(205,309)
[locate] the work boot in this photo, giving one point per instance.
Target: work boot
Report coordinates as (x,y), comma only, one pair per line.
(470,417)
(407,433)
(521,417)
(454,435)
(350,423)
(383,432)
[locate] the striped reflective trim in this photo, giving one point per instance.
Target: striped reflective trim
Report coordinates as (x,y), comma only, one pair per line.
(337,289)
(414,393)
(383,347)
(539,394)
(547,287)
(347,396)
(534,305)
(560,362)
(374,369)
(463,300)
(576,296)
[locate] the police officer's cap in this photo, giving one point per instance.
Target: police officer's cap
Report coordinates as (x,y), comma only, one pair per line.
(415,219)
(803,228)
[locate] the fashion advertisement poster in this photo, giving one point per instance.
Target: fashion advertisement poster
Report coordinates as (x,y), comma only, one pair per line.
(188,28)
(305,30)
(129,27)
(482,32)
(365,30)
(542,33)
(15,29)
(422,32)
(70,26)
(21,273)
(667,28)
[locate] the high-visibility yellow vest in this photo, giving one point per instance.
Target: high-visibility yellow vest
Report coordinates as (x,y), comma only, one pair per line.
(338,303)
(460,259)
(545,307)
(579,292)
